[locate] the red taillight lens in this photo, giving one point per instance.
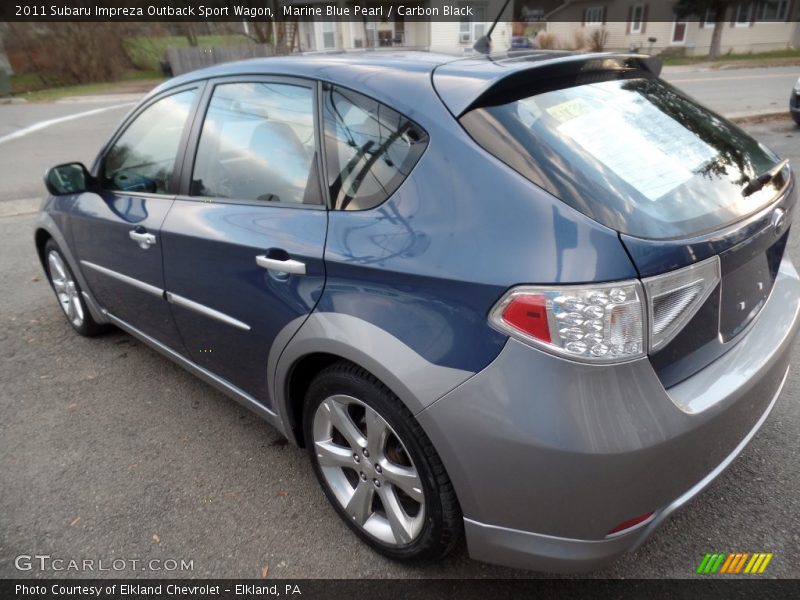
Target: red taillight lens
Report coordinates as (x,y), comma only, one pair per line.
(631,523)
(528,313)
(599,323)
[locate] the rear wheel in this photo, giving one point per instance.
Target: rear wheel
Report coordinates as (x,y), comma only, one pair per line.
(377,467)
(68,292)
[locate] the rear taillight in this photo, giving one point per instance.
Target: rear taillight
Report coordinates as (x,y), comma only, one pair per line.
(607,322)
(675,297)
(594,323)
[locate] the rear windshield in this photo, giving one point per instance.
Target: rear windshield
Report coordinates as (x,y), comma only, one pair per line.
(633,153)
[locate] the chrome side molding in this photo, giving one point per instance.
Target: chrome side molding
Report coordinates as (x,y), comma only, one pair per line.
(202,309)
(169,296)
(145,287)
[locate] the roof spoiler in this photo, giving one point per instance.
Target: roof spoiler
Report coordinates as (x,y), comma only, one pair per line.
(465,83)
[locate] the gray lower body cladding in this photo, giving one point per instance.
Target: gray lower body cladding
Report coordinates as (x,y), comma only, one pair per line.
(564,452)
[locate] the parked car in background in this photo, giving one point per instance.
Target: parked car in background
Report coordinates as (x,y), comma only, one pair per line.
(522,42)
(540,300)
(794,102)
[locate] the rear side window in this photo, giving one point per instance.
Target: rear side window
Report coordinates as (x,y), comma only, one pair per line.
(370,149)
(258,144)
(143,158)
(631,152)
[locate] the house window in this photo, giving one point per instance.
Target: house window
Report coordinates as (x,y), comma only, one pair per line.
(371,33)
(678,32)
(709,18)
(594,16)
(328,34)
(471,30)
(774,11)
(744,14)
(637,17)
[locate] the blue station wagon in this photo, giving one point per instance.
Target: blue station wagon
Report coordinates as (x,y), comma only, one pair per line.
(536,299)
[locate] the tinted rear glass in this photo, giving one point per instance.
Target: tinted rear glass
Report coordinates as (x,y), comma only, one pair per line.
(633,153)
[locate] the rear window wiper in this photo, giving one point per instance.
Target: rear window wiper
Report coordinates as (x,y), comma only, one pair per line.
(759,182)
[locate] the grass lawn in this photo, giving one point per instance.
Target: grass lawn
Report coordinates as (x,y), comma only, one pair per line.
(147,52)
(31,88)
(776,55)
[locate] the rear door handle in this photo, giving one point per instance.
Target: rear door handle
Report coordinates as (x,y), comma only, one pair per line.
(288,265)
(144,239)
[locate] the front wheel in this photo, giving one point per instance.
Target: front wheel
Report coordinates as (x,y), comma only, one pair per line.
(377,467)
(68,292)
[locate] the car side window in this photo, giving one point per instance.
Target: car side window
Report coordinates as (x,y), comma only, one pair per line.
(258,144)
(143,157)
(369,148)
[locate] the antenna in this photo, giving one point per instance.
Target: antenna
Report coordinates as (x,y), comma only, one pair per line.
(484,44)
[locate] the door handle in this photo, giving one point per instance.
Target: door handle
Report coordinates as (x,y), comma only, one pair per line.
(145,240)
(288,265)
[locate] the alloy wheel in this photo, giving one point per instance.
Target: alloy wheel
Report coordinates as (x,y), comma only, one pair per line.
(66,288)
(368,469)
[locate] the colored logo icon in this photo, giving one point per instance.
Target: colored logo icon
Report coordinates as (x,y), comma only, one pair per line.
(734,563)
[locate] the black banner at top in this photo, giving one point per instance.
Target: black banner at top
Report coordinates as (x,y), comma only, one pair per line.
(526,11)
(256,10)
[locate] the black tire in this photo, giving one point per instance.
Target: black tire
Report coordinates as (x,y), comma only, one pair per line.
(87,326)
(442,522)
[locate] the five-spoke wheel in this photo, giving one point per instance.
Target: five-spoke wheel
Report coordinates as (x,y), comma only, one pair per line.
(65,288)
(68,291)
(368,469)
(377,466)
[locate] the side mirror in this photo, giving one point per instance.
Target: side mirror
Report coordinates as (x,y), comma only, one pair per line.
(70,178)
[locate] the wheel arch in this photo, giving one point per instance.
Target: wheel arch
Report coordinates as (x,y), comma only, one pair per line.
(300,376)
(40,236)
(325,338)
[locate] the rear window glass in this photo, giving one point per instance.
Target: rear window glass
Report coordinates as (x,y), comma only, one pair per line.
(634,154)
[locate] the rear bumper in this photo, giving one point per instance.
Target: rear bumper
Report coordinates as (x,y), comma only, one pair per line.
(548,456)
(524,549)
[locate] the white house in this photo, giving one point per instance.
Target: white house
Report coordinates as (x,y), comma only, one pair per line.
(449,36)
(749,26)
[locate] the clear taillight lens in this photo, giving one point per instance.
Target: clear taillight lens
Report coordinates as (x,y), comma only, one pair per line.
(595,323)
(675,297)
(608,322)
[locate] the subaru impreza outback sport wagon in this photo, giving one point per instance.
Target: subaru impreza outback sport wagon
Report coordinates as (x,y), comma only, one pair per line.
(537,299)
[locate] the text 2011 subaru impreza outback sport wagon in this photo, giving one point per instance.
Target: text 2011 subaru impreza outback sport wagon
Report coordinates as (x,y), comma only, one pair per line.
(537,299)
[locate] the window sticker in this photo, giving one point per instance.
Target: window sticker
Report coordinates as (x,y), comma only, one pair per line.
(569,110)
(648,149)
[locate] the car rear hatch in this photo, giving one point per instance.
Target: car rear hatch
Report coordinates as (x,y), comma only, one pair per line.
(679,183)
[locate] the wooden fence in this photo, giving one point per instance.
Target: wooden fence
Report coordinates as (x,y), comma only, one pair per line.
(182,60)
